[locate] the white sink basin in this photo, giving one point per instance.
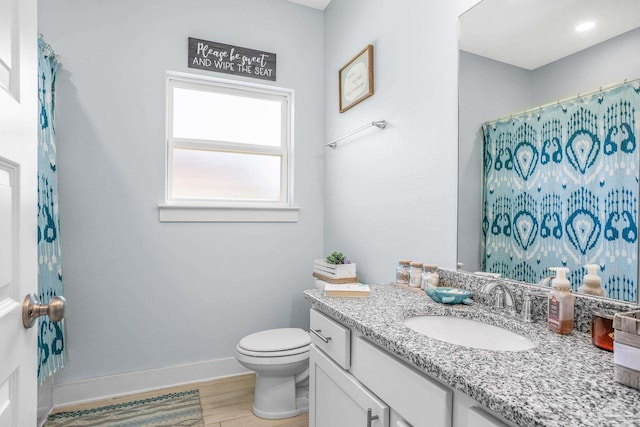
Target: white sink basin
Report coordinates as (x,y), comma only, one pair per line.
(469,333)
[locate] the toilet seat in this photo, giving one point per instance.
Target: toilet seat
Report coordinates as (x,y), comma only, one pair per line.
(275,343)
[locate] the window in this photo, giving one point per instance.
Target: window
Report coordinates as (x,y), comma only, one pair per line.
(229,151)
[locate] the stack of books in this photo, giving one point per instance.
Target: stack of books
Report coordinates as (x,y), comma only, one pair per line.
(346,290)
(338,280)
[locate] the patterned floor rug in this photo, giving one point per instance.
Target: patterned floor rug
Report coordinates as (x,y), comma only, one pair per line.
(170,410)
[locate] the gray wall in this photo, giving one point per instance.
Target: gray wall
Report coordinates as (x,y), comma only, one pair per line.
(486,89)
(607,63)
(143,294)
(487,93)
(392,194)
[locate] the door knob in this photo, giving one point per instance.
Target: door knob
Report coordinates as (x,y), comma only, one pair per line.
(32,309)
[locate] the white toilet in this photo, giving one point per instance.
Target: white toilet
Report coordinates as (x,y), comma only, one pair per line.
(280,358)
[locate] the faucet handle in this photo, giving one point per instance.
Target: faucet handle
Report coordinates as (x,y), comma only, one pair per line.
(526,314)
(546,281)
(498,302)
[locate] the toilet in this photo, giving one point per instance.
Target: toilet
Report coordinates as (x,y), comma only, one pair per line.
(280,358)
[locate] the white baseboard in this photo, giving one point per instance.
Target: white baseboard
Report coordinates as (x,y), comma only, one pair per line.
(45,400)
(141,381)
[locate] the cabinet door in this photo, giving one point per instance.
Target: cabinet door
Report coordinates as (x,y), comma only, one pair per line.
(336,399)
(479,418)
(469,413)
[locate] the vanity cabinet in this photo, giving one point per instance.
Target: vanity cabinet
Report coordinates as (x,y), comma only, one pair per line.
(336,398)
(353,383)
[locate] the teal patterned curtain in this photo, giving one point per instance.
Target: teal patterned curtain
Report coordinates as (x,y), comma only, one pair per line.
(50,336)
(561,189)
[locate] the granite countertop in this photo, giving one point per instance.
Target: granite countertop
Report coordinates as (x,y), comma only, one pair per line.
(564,381)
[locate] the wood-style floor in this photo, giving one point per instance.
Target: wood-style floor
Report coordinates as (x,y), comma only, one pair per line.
(226,402)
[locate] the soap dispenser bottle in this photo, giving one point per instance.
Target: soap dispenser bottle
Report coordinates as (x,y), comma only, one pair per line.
(560,303)
(591,283)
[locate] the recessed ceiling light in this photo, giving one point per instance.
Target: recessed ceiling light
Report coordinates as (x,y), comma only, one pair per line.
(585,26)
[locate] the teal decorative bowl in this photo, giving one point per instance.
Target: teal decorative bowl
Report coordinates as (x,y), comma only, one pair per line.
(450,295)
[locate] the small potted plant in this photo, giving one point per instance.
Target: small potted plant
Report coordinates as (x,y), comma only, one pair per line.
(335,266)
(337,258)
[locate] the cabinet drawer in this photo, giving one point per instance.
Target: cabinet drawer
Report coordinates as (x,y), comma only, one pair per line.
(419,399)
(331,337)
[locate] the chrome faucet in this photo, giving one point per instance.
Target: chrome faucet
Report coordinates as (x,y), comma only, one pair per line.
(504,300)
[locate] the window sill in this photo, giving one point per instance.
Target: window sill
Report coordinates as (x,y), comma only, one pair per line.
(175,213)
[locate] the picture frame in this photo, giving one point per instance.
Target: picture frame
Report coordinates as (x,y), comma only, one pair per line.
(355,79)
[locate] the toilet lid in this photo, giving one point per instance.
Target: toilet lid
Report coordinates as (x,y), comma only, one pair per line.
(275,340)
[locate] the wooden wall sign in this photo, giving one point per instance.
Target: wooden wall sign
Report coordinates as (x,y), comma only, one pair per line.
(355,79)
(224,58)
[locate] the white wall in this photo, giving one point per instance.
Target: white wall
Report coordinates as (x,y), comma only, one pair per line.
(143,294)
(488,91)
(464,5)
(392,194)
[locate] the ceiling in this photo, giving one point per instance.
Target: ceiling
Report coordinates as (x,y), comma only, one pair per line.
(316,4)
(533,33)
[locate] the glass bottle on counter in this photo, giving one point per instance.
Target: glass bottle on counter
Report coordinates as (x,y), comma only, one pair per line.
(402,272)
(415,274)
(430,276)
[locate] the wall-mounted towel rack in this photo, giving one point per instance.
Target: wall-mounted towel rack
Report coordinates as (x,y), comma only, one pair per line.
(379,124)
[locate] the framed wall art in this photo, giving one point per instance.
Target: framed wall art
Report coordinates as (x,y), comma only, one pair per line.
(355,79)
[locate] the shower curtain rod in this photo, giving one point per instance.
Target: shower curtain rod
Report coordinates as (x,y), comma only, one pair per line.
(560,101)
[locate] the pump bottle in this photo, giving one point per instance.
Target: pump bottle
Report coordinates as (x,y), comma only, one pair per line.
(592,284)
(560,303)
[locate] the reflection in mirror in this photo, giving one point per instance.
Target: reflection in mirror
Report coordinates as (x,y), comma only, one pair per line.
(513,59)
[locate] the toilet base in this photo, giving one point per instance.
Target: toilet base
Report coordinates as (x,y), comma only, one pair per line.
(282,398)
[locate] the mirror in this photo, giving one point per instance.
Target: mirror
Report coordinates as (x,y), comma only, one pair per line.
(517,55)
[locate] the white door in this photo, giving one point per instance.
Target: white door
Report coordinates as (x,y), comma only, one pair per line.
(18,209)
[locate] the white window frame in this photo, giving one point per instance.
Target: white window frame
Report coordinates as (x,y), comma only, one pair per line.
(197,210)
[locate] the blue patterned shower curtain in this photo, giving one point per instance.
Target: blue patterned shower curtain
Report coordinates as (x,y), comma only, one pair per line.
(50,336)
(561,189)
